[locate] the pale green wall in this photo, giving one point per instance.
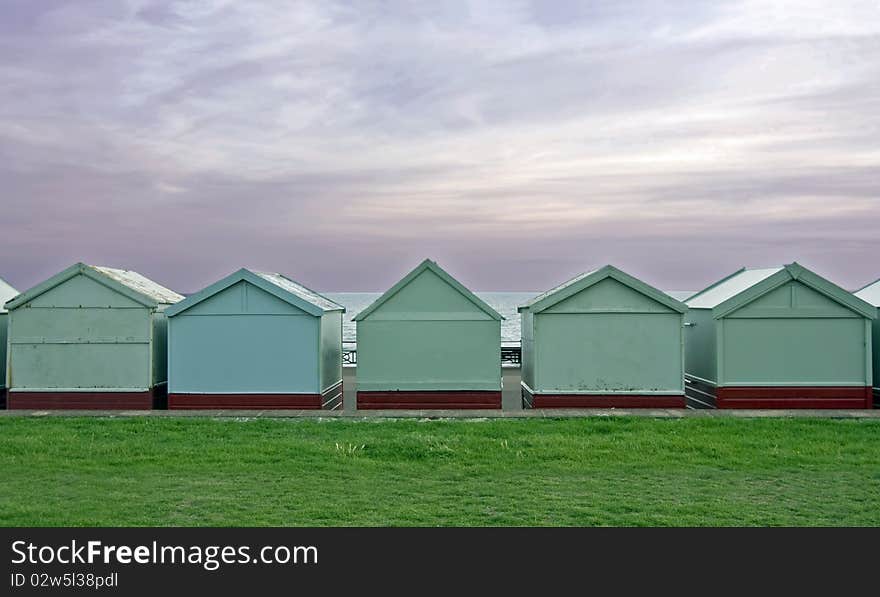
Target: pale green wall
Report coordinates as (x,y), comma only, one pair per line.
(428,296)
(527,334)
(243,340)
(607,338)
(428,336)
(609,352)
(794,335)
(80,335)
(3,320)
(331,349)
(699,343)
(608,295)
(875,346)
(429,355)
(793,351)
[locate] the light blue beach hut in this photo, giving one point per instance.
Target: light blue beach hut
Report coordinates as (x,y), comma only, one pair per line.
(255,340)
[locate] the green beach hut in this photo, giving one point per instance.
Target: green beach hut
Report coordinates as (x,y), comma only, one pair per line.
(602,339)
(88,337)
(779,337)
(428,342)
(871,294)
(255,340)
(7,292)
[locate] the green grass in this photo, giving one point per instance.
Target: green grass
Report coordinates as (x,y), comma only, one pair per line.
(615,471)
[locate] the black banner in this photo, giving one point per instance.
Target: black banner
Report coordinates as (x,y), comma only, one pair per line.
(289,561)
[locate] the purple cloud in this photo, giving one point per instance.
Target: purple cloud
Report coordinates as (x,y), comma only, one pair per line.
(518,143)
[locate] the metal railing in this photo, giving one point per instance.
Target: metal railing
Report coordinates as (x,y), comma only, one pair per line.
(511,354)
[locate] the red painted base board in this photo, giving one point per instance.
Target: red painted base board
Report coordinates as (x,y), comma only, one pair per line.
(330,400)
(531,400)
(793,397)
(463,399)
(243,401)
(80,400)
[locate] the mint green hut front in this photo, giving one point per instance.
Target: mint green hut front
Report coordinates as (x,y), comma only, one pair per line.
(428,342)
(7,292)
(88,337)
(871,294)
(255,340)
(603,339)
(780,337)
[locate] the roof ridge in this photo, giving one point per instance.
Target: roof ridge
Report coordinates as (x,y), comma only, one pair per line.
(725,288)
(317,295)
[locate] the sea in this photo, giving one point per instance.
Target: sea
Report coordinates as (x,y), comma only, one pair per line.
(505,303)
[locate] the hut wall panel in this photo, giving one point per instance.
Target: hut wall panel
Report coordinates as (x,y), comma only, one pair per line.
(700,344)
(423,355)
(794,351)
(4,318)
(72,347)
(75,365)
(875,346)
(260,302)
(605,295)
(428,294)
(794,299)
(625,353)
(331,349)
(83,291)
(81,324)
(528,348)
(244,353)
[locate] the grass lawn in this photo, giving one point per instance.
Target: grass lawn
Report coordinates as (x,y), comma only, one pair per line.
(620,471)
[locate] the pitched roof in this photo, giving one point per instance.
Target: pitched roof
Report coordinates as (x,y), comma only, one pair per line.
(583,281)
(428,265)
(275,284)
(729,287)
(129,283)
(871,294)
(7,292)
(548,293)
(750,287)
(301,291)
(140,284)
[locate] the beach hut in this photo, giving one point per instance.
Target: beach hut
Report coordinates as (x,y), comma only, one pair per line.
(255,340)
(7,292)
(871,294)
(88,337)
(428,342)
(602,339)
(779,337)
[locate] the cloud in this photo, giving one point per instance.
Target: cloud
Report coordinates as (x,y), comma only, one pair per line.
(518,142)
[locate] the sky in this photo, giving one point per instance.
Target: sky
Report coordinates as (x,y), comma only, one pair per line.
(517,143)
